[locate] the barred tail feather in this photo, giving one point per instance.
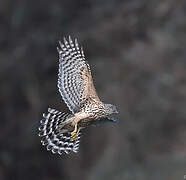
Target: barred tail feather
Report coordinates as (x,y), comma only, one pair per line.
(52,138)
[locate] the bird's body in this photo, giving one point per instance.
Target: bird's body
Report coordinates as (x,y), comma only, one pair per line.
(61,131)
(91,111)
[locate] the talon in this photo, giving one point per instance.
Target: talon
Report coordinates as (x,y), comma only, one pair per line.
(74,133)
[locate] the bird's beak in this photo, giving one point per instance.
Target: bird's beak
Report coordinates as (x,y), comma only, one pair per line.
(112,120)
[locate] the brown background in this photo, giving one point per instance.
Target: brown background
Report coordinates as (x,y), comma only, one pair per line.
(137,53)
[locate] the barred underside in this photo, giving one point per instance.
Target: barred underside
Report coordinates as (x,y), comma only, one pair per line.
(52,137)
(70,82)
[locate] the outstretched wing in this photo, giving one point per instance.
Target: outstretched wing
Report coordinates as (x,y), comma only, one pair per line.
(75,82)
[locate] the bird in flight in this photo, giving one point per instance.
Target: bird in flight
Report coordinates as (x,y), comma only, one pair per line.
(59,131)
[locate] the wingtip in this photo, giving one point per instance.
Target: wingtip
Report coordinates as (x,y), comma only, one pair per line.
(70,39)
(61,44)
(59,50)
(76,42)
(65,41)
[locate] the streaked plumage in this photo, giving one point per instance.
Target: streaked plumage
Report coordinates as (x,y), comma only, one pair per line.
(60,132)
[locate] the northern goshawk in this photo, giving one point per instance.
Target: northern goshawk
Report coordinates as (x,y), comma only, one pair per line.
(59,131)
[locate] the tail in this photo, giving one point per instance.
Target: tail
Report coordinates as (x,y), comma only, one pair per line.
(52,138)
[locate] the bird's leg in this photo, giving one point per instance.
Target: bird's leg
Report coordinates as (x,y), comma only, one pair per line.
(78,130)
(75,132)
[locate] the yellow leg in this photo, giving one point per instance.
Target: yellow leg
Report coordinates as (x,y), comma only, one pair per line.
(74,133)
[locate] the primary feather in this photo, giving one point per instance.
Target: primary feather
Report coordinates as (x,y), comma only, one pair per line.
(71,61)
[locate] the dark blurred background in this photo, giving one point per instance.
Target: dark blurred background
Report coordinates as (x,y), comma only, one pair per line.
(137,53)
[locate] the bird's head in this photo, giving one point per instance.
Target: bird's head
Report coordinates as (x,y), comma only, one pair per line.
(111,109)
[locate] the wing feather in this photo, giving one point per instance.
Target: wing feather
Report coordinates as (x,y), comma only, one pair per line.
(75,81)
